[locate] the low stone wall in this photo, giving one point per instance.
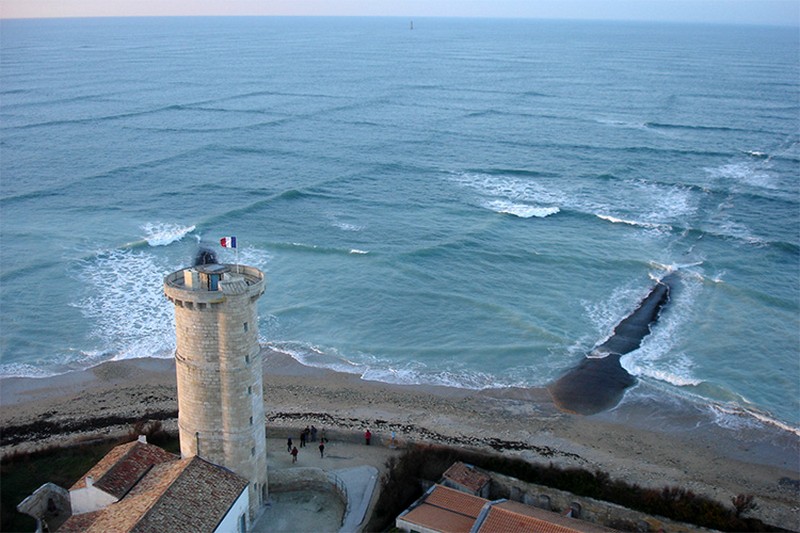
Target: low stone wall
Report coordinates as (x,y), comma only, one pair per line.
(299,479)
(379,438)
(591,510)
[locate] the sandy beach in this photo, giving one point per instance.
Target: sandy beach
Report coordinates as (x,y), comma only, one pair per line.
(653,444)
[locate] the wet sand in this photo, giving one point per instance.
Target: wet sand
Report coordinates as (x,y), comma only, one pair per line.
(649,442)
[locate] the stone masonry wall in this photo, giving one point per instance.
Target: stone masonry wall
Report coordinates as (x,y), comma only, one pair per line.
(219,377)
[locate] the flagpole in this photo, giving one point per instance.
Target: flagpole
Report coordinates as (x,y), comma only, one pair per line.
(230,242)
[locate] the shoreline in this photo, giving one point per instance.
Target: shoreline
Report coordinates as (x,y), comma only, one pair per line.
(646,441)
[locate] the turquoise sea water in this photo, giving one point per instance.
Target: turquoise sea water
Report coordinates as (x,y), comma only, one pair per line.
(474,202)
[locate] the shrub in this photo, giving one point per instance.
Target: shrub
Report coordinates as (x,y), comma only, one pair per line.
(403,484)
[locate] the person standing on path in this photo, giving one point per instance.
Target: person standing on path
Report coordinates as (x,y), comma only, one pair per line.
(289,445)
(368,436)
(294,454)
(321,450)
(313,434)
(303,439)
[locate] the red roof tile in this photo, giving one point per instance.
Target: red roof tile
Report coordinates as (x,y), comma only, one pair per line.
(123,466)
(503,521)
(438,519)
(450,511)
(446,510)
(196,501)
(466,476)
(179,496)
(514,517)
(456,501)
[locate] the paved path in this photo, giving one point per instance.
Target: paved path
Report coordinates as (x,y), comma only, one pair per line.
(360,482)
(356,465)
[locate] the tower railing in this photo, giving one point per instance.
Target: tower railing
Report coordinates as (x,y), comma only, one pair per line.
(251,276)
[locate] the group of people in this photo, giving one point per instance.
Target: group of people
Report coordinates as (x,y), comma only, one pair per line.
(309,434)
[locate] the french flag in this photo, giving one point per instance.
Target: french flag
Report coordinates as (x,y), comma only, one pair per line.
(228,242)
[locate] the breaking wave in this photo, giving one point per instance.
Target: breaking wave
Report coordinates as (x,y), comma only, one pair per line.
(162,234)
(521,210)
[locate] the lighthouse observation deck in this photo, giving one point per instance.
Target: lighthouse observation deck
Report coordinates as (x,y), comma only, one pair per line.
(210,284)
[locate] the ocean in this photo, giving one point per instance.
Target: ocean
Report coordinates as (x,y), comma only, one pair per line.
(473,203)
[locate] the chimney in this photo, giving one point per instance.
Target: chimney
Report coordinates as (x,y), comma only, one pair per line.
(143,439)
(89,481)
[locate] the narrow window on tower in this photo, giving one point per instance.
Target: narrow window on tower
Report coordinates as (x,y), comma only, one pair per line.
(251,420)
(247,359)
(252,451)
(245,327)
(249,390)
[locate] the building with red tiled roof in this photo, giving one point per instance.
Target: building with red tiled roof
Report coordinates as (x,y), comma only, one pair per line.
(114,475)
(467,478)
(445,510)
(442,509)
(505,516)
(141,488)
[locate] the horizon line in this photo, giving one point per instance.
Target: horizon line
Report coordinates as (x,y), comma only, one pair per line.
(793,24)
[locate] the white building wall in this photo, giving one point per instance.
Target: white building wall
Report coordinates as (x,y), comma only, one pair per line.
(230,524)
(89,499)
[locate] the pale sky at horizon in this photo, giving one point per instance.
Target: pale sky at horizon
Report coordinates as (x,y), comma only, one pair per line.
(771,12)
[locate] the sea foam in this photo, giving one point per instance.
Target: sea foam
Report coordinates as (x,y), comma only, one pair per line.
(162,234)
(126,304)
(521,210)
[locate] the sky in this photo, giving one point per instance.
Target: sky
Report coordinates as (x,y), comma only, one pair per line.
(771,12)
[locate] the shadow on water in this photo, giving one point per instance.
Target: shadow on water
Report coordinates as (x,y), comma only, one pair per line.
(599,381)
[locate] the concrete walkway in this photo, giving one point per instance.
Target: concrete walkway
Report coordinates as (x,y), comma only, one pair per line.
(360,483)
(357,467)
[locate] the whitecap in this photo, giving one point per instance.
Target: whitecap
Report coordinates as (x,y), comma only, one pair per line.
(162,234)
(315,356)
(648,225)
(372,368)
(357,251)
(24,370)
(737,417)
(605,315)
(410,375)
(521,210)
(344,226)
(679,374)
(512,191)
(126,305)
(618,123)
(656,358)
(747,172)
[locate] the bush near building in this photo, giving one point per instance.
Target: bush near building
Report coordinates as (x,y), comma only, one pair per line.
(421,464)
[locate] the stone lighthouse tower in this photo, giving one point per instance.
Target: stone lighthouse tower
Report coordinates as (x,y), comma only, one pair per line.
(220,404)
